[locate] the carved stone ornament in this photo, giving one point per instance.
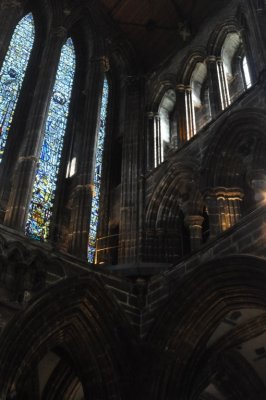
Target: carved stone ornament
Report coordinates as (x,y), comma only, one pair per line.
(105,63)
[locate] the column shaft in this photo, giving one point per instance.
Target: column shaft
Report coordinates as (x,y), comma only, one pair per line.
(214,86)
(86,143)
(182,114)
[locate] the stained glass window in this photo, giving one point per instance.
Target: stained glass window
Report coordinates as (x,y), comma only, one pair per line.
(12,74)
(98,174)
(44,188)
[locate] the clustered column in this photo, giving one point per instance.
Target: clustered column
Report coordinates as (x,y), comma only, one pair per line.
(153,143)
(186,118)
(88,132)
(216,104)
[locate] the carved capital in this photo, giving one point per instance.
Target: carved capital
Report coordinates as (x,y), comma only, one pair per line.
(105,63)
(211,59)
(59,32)
(193,221)
(180,88)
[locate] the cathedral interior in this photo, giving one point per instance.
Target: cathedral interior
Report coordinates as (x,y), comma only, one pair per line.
(132,199)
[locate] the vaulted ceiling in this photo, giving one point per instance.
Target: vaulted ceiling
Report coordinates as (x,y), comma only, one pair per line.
(156,28)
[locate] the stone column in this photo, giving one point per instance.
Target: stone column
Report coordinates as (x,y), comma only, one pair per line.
(224,90)
(131,212)
(194,224)
(186,120)
(153,141)
(214,86)
(158,140)
(224,209)
(87,140)
(23,179)
(191,123)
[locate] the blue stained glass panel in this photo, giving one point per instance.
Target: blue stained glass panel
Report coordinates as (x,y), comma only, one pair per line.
(12,74)
(44,188)
(98,174)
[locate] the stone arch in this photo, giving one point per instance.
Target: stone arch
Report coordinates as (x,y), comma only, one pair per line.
(175,199)
(157,89)
(189,64)
(186,325)
(219,34)
(74,316)
(233,178)
(236,150)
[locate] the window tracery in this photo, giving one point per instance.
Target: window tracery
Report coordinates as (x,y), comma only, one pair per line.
(41,205)
(12,74)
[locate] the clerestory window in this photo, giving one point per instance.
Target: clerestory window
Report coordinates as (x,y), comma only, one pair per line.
(12,74)
(44,189)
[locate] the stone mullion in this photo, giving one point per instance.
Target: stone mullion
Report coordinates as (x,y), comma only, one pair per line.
(82,197)
(181,112)
(214,87)
(21,191)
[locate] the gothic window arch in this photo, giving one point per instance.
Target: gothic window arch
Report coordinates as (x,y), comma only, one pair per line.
(235,64)
(12,74)
(94,216)
(44,189)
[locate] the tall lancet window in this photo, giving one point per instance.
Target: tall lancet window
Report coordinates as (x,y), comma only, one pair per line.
(41,205)
(98,174)
(12,74)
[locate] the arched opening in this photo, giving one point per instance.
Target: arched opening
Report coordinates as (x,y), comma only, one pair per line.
(235,65)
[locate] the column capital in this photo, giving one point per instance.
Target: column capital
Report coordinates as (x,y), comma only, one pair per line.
(211,59)
(180,87)
(226,193)
(150,114)
(105,63)
(194,220)
(59,32)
